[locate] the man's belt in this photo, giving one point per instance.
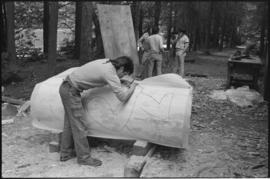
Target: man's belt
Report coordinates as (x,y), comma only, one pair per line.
(71,84)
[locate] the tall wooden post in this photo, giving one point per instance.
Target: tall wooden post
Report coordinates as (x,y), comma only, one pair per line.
(157,13)
(267,78)
(169,26)
(83,34)
(45,27)
(52,36)
(10,32)
(86,32)
(99,45)
(141,23)
(78,18)
(135,9)
(3,30)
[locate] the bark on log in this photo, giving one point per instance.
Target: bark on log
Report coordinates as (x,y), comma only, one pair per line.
(12,100)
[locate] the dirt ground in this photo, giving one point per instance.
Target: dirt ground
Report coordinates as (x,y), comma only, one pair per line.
(225,140)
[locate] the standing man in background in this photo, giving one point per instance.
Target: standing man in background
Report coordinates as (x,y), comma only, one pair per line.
(144,48)
(142,39)
(181,47)
(155,53)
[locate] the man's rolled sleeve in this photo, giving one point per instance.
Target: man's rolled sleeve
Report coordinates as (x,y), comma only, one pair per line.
(115,84)
(161,43)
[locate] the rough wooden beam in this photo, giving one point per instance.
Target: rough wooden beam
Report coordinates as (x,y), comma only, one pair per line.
(140,148)
(136,163)
(52,36)
(12,100)
(54,145)
(9,7)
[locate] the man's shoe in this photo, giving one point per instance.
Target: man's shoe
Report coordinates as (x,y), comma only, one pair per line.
(90,161)
(64,158)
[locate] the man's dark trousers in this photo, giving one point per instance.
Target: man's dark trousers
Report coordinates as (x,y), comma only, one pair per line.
(74,128)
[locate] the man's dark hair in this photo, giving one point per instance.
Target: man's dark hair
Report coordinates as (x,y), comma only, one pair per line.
(123,61)
(148,30)
(182,30)
(155,30)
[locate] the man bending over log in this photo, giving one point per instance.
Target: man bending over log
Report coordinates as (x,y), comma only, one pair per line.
(93,74)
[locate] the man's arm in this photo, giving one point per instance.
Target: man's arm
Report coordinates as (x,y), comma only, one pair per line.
(186,44)
(130,91)
(140,41)
(121,93)
(175,39)
(143,37)
(161,44)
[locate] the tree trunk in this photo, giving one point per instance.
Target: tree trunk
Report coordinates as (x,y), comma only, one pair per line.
(198,38)
(86,26)
(202,35)
(137,19)
(141,22)
(263,27)
(232,33)
(174,18)
(223,29)
(3,29)
(266,79)
(169,27)
(216,26)
(194,44)
(157,13)
(10,33)
(199,25)
(52,37)
(209,25)
(99,45)
(78,18)
(45,27)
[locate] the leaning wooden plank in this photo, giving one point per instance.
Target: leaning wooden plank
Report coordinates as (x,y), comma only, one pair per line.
(117,32)
(12,100)
(52,37)
(135,164)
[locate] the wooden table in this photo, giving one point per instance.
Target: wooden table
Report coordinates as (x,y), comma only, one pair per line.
(248,67)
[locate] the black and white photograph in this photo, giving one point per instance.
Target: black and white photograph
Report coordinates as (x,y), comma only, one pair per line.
(140,89)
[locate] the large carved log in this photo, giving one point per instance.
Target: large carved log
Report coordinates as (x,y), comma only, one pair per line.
(158,111)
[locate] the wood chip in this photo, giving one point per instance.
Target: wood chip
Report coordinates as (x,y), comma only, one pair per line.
(7,121)
(258,166)
(24,108)
(254,153)
(24,166)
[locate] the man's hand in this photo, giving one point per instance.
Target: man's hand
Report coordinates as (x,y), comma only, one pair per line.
(132,84)
(127,80)
(131,89)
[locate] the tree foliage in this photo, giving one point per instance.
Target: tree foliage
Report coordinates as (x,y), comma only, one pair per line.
(28,14)
(209,24)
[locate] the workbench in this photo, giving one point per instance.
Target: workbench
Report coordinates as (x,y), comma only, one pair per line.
(244,71)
